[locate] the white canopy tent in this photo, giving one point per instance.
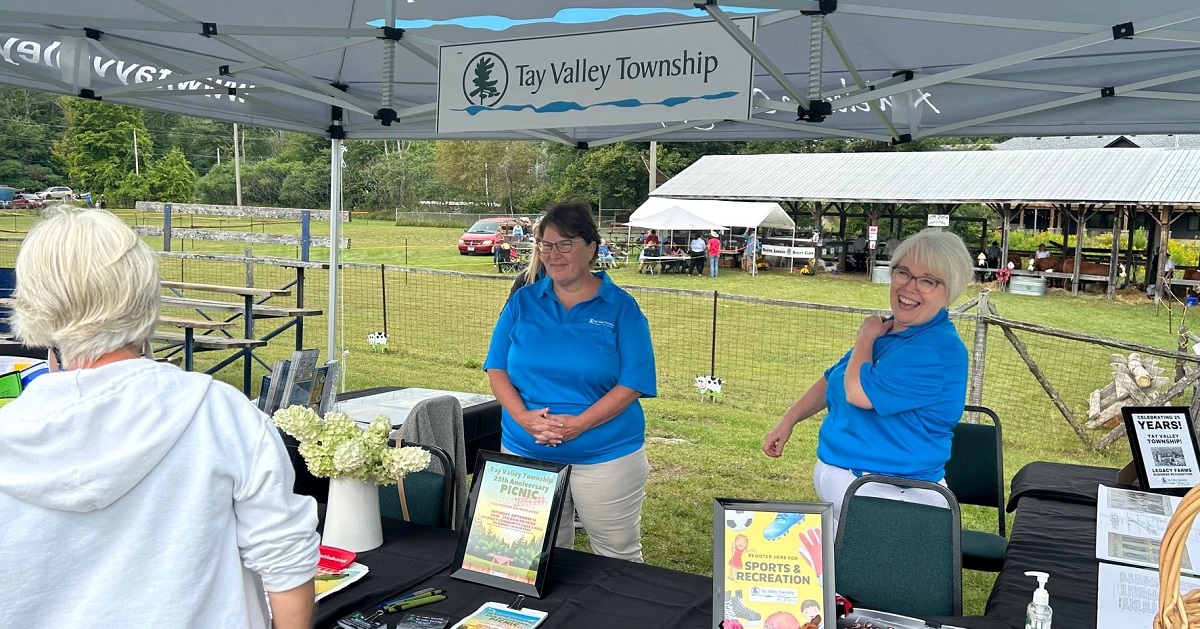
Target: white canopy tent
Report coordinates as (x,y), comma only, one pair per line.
(673,217)
(888,70)
(724,213)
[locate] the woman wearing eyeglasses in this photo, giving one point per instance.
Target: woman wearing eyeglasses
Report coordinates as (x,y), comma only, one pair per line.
(569,358)
(895,397)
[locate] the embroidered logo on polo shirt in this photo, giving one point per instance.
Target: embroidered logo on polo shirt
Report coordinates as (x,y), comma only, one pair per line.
(607,324)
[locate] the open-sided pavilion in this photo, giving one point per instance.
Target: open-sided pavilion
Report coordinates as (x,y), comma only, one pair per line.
(1161,183)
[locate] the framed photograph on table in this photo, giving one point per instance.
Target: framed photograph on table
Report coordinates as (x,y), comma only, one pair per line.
(1164,447)
(511,521)
(773,564)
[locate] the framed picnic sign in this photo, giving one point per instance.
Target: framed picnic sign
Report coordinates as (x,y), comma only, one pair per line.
(773,564)
(1164,447)
(511,521)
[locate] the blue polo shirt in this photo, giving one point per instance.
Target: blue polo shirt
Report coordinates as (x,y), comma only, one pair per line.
(917,385)
(568,360)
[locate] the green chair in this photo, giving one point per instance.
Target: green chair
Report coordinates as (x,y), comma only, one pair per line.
(899,557)
(975,473)
(423,497)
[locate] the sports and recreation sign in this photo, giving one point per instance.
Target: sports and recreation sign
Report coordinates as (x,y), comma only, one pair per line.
(692,71)
(773,564)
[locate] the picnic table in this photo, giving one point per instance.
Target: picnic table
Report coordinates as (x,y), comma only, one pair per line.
(249,308)
(663,263)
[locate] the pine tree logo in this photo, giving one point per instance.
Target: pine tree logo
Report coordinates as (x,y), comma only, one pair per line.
(485,79)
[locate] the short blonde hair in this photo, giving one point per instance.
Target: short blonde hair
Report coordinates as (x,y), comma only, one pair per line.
(943,255)
(85,284)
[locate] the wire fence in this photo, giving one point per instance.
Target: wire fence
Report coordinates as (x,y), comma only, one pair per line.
(767,352)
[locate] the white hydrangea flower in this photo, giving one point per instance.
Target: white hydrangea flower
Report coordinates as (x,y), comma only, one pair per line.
(351,458)
(402,461)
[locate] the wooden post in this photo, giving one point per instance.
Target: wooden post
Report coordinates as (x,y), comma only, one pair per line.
(978,351)
(841,207)
(1164,236)
(1078,250)
(1114,255)
(249,269)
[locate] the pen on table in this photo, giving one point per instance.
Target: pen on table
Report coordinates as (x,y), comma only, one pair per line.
(410,595)
(417,602)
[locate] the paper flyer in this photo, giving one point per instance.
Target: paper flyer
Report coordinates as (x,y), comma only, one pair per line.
(1130,526)
(329,582)
(1128,597)
(509,524)
(773,569)
(500,616)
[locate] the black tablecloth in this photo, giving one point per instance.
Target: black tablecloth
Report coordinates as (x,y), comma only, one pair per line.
(583,590)
(1055,532)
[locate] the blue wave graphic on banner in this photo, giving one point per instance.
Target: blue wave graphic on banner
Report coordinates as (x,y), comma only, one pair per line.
(560,106)
(565,16)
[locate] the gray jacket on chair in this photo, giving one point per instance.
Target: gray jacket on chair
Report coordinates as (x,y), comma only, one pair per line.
(438,422)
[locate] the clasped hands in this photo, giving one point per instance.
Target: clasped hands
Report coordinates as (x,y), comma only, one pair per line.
(550,429)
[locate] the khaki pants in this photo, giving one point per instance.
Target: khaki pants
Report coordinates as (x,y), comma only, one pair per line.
(832,481)
(608,498)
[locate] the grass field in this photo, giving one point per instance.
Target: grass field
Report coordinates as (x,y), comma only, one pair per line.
(700,450)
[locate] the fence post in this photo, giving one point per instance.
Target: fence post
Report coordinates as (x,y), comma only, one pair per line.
(383,292)
(712,365)
(979,351)
(249,268)
(167,227)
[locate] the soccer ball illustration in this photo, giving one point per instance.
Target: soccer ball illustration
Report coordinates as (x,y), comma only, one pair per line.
(738,520)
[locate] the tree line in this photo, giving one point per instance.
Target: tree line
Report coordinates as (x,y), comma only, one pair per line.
(133,155)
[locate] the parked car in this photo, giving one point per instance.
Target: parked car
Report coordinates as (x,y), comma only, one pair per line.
(62,193)
(25,201)
(486,233)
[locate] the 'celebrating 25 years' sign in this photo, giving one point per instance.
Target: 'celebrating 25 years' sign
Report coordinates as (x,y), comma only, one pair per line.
(658,74)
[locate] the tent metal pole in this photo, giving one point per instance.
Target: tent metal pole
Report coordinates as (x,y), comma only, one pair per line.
(335,219)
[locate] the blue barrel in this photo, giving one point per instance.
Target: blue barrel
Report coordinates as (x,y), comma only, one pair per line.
(8,282)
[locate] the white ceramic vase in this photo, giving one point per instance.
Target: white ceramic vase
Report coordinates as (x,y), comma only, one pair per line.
(352,515)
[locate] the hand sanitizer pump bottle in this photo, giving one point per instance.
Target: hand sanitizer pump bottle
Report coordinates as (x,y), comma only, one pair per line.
(1038,613)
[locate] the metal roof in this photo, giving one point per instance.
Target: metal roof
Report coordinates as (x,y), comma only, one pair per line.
(1179,141)
(1100,176)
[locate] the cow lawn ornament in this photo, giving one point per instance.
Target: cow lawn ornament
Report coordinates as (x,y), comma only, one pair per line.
(709,387)
(377,341)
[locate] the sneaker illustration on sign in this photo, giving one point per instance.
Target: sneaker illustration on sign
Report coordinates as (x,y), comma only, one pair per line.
(735,608)
(780,525)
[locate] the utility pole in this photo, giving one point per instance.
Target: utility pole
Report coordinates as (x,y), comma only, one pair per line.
(237,165)
(653,165)
(136,168)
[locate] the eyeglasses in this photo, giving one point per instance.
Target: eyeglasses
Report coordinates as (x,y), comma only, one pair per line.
(925,283)
(563,246)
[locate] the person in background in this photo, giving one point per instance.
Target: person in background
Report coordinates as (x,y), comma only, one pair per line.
(653,241)
(893,243)
(518,232)
(135,493)
(1041,252)
(103,202)
(859,251)
(751,252)
(993,255)
(584,412)
(605,254)
(894,398)
(697,247)
(714,253)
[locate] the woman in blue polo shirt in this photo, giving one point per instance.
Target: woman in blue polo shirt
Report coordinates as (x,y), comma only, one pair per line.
(569,358)
(895,397)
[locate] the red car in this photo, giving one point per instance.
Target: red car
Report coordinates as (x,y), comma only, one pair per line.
(27,201)
(486,233)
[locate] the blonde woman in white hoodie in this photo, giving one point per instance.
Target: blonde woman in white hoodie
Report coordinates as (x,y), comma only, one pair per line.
(134,493)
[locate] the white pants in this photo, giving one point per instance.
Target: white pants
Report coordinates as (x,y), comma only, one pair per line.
(608,498)
(832,481)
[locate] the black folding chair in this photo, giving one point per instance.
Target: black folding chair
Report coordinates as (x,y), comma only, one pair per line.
(975,474)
